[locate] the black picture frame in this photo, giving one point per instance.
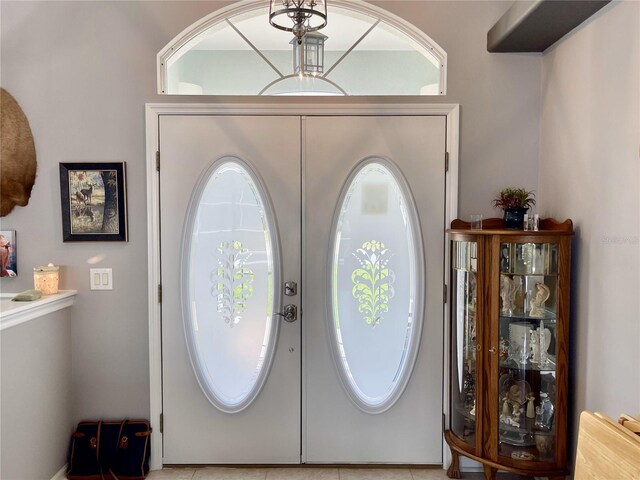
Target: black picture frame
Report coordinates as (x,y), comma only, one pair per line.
(94,202)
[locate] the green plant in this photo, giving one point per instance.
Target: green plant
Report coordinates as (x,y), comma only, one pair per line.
(514,198)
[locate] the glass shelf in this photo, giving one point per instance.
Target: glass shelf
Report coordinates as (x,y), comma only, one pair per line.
(466,413)
(550,366)
(548,317)
(528,440)
(538,275)
(529,427)
(463,269)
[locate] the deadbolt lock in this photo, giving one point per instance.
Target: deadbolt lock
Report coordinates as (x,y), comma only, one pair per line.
(290,289)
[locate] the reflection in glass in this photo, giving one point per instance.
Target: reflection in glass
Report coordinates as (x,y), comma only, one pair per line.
(463,338)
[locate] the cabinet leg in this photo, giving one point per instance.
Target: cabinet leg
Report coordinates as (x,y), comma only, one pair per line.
(490,472)
(454,469)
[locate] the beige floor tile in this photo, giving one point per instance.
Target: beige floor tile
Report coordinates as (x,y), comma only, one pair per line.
(302,474)
(375,474)
(221,473)
(473,476)
(172,474)
(424,474)
(429,474)
(305,473)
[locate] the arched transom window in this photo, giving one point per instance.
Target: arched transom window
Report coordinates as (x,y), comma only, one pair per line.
(363,50)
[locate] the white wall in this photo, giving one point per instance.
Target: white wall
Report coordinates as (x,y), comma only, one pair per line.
(35,418)
(590,172)
(82,72)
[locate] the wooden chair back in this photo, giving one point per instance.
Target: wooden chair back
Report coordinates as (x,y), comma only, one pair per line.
(607,450)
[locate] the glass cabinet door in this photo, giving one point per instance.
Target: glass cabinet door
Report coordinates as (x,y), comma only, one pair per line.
(463,340)
(527,350)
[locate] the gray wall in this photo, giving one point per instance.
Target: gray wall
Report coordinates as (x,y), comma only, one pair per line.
(35,419)
(82,72)
(499,97)
(590,172)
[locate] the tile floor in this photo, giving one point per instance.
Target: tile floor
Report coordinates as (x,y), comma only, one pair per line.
(311,473)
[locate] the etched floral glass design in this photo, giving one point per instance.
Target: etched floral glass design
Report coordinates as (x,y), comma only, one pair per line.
(233,281)
(373,281)
(375,285)
(230,265)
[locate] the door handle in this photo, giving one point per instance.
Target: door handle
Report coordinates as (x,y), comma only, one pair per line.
(290,313)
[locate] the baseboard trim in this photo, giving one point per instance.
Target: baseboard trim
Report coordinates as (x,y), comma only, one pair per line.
(60,474)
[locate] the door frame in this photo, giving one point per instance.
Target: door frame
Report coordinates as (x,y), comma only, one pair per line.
(153,111)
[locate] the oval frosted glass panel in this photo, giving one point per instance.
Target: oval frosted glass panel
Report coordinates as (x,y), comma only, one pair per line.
(376,286)
(229,268)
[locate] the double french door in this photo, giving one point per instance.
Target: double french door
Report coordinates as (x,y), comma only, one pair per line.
(302,267)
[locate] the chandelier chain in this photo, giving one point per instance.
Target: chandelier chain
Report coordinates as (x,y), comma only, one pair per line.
(305,16)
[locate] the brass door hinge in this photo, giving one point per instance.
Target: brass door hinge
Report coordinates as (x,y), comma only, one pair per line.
(159,293)
(158,161)
(446,161)
(445,293)
(161,422)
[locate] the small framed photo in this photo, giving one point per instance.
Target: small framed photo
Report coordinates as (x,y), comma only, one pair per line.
(94,202)
(8,263)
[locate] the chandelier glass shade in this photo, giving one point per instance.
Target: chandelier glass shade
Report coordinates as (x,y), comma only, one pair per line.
(298,16)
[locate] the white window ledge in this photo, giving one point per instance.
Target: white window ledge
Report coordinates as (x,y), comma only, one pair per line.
(15,313)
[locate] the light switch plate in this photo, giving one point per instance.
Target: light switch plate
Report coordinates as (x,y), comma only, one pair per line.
(101,278)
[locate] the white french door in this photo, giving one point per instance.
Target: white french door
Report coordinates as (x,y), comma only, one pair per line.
(345,368)
(230,233)
(373,289)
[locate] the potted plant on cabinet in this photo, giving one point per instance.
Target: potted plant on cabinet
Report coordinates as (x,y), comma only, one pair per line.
(514,202)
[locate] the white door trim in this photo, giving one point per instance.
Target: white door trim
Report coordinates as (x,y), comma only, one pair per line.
(152,114)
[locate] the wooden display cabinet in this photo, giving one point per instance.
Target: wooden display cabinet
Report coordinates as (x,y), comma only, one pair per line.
(509,334)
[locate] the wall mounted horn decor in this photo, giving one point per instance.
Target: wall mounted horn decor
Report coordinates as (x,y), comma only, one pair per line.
(18,153)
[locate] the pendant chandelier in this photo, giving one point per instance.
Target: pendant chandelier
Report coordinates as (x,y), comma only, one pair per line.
(298,16)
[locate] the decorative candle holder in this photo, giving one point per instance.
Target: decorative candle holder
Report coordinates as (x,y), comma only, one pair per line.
(46,279)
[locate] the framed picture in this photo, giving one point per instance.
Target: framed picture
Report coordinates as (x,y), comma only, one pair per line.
(8,264)
(94,202)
